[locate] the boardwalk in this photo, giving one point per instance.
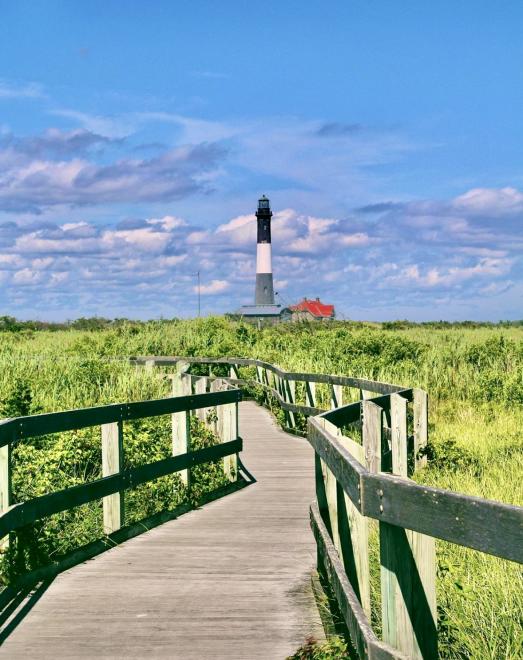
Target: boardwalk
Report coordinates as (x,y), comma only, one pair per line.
(231,580)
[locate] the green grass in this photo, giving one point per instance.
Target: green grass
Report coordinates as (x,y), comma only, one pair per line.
(474,376)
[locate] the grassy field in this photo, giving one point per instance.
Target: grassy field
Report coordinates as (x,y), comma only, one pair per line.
(474,376)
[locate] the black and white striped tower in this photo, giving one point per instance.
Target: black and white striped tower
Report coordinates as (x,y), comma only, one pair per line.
(264,288)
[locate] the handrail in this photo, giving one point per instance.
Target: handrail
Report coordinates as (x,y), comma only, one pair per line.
(361,383)
(32,426)
(407,557)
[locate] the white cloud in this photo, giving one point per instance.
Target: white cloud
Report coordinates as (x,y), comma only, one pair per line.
(215,286)
(58,279)
(197,237)
(10,260)
(43,263)
(37,242)
(14,91)
(490,201)
(145,239)
(168,222)
(27,276)
(68,226)
(169,262)
(359,238)
(112,127)
(451,276)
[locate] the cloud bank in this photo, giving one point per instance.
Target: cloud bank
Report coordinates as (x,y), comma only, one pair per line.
(64,168)
(457,253)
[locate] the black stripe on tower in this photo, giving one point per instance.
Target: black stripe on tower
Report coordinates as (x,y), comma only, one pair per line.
(264,215)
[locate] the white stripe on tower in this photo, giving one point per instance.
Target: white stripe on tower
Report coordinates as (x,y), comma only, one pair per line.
(264,258)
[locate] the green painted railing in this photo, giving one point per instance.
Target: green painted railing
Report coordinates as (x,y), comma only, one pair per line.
(364,484)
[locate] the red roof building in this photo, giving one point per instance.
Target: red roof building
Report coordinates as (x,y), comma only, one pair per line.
(312,310)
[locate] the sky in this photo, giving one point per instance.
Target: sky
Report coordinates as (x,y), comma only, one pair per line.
(136,138)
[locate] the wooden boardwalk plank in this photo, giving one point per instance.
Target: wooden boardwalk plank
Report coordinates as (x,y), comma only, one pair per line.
(231,580)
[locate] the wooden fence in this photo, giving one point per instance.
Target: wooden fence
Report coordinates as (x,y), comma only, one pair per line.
(222,400)
(363,488)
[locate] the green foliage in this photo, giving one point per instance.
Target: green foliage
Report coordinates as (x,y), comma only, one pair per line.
(333,649)
(472,371)
(18,400)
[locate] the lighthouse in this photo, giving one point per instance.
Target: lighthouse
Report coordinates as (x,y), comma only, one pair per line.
(264,311)
(264,293)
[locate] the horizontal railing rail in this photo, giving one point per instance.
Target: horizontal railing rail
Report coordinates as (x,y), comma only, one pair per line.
(36,508)
(358,482)
(17,428)
(347,381)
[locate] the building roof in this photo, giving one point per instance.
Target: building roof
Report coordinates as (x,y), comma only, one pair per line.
(261,310)
(315,307)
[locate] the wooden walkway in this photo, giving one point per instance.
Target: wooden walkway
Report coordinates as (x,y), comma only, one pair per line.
(231,580)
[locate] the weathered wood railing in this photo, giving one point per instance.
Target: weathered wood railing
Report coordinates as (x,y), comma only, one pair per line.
(359,483)
(223,399)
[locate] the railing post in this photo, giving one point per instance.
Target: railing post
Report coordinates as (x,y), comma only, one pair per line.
(331,494)
(200,387)
(265,381)
(217,385)
(398,428)
(289,388)
(267,384)
(421,425)
(277,384)
(336,396)
(354,536)
(326,490)
(149,364)
(365,394)
(234,372)
(112,463)
(227,428)
(181,421)
(372,435)
(347,527)
(260,378)
(5,486)
(408,566)
(310,393)
(231,462)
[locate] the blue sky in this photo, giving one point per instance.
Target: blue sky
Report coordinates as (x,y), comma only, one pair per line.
(135,139)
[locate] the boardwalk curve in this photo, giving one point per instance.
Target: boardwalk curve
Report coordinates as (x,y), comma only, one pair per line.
(230,580)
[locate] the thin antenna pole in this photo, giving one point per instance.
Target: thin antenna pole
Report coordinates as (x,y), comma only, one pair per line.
(199,306)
